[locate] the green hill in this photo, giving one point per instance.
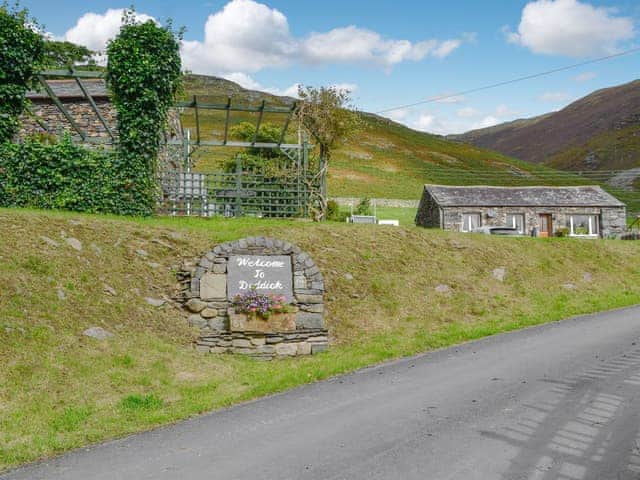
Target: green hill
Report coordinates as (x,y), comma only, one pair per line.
(385,160)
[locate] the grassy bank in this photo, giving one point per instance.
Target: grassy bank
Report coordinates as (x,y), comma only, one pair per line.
(60,389)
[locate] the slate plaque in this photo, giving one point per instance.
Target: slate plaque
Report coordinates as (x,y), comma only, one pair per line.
(268,273)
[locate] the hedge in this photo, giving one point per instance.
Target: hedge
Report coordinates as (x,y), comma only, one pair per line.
(63,176)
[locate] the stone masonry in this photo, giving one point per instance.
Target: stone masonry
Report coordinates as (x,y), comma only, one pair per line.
(203,293)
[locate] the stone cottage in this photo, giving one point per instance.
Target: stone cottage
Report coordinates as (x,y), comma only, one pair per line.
(586,211)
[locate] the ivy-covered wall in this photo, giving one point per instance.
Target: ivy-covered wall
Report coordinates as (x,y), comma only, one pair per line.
(143,75)
(62,175)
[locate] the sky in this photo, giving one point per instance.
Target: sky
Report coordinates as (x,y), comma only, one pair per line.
(390,53)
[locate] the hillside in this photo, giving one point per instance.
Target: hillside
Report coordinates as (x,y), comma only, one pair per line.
(385,160)
(61,390)
(598,132)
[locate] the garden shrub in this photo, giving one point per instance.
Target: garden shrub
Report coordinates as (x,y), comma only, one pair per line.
(364,207)
(21,56)
(61,175)
(334,213)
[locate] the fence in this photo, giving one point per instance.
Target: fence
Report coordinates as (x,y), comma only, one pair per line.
(236,194)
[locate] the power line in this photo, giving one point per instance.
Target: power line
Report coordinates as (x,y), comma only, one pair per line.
(513,80)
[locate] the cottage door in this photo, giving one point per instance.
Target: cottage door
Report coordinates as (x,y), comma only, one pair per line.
(545,225)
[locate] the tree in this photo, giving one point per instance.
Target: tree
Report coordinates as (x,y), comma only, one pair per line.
(66,54)
(326,115)
(143,73)
(268,133)
(21,55)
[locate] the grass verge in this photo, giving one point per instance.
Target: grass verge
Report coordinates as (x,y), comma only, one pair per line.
(61,390)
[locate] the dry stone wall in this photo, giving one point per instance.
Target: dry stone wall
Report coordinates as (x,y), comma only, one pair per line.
(207,287)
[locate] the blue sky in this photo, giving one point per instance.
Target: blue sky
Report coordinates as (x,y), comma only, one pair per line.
(391,53)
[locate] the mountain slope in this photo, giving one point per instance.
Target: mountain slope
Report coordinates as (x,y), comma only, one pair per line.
(599,131)
(384,160)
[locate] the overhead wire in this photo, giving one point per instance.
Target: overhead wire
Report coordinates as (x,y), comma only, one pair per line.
(513,80)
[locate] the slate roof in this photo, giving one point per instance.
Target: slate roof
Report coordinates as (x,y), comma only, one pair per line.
(70,89)
(488,196)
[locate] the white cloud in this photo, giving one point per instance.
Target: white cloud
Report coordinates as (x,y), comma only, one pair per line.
(503,111)
(243,36)
(398,115)
(94,30)
(488,121)
(585,77)
(553,97)
(467,112)
(571,28)
(248,82)
(248,36)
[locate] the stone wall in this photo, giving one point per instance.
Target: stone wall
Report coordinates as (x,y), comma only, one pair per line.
(81,112)
(428,214)
(379,202)
(204,295)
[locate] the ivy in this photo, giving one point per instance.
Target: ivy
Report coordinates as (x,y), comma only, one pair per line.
(143,73)
(21,56)
(60,175)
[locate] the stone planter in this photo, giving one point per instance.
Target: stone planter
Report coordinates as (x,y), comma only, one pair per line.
(277,322)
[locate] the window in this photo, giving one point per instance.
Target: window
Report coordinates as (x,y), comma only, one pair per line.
(516,220)
(470,221)
(583,225)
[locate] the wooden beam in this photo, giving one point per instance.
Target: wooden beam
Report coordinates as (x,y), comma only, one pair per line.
(39,121)
(61,107)
(72,73)
(240,108)
(226,121)
(286,124)
(255,136)
(195,105)
(217,143)
(95,108)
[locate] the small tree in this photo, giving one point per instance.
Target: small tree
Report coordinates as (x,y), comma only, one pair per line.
(143,72)
(326,115)
(21,55)
(66,54)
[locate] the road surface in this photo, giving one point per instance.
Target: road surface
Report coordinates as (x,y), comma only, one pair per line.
(561,401)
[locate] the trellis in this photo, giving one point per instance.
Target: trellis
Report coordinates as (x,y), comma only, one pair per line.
(241,192)
(76,75)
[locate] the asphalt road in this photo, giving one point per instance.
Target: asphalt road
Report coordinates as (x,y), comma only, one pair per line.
(560,401)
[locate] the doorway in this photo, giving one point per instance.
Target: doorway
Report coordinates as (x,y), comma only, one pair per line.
(546,225)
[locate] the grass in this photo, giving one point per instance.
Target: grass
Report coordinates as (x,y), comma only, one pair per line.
(61,390)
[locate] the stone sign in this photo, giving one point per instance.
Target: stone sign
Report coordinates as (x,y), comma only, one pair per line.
(268,274)
(208,287)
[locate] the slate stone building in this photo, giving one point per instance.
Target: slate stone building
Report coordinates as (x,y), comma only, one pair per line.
(586,211)
(74,100)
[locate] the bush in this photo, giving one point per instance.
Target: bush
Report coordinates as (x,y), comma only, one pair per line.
(61,175)
(364,207)
(334,213)
(562,232)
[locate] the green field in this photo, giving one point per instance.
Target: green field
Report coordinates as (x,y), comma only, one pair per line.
(61,390)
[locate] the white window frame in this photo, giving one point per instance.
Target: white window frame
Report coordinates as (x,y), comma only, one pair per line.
(464,223)
(592,217)
(521,215)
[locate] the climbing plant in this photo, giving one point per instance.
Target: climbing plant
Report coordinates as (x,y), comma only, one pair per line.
(143,73)
(21,56)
